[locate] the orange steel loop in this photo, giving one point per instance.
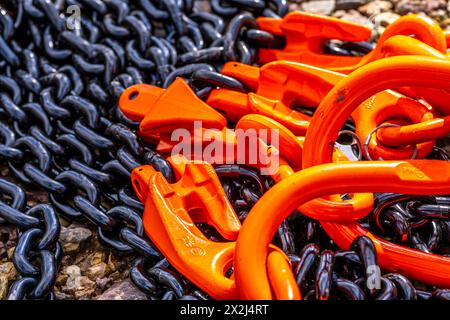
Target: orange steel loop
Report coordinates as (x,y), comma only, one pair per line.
(170,212)
(408,177)
(289,84)
(306,35)
(353,90)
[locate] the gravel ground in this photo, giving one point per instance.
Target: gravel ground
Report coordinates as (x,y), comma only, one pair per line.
(91,271)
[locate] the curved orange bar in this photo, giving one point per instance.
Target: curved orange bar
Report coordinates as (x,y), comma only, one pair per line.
(333,209)
(294,84)
(415,133)
(280,273)
(402,45)
(348,94)
(289,146)
(409,177)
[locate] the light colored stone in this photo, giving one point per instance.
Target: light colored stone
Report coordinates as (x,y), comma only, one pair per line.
(75,234)
(73,281)
(3,286)
(83,294)
(349,4)
(294,7)
(386,18)
(352,15)
(79,286)
(325,7)
(103,283)
(10,252)
(202,6)
(124,290)
(113,264)
(87,283)
(73,237)
(97,257)
(8,270)
(97,271)
(71,248)
(415,6)
(375,7)
(62,295)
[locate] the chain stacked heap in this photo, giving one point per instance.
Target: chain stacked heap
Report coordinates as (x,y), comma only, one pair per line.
(65,66)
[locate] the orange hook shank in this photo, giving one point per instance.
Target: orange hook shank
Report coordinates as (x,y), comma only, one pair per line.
(170,212)
(412,177)
(306,35)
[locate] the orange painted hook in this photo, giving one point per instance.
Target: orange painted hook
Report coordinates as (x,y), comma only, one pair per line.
(412,177)
(278,87)
(306,35)
(290,84)
(169,216)
(162,111)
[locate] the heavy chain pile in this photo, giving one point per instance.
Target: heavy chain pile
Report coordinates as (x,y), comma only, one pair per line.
(62,131)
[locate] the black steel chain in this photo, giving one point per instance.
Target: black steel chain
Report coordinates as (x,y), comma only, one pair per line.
(61,131)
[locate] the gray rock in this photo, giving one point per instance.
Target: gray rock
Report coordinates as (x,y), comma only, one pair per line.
(415,6)
(7,269)
(73,281)
(97,271)
(386,18)
(3,286)
(103,283)
(75,234)
(325,7)
(73,237)
(351,15)
(124,290)
(349,4)
(375,7)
